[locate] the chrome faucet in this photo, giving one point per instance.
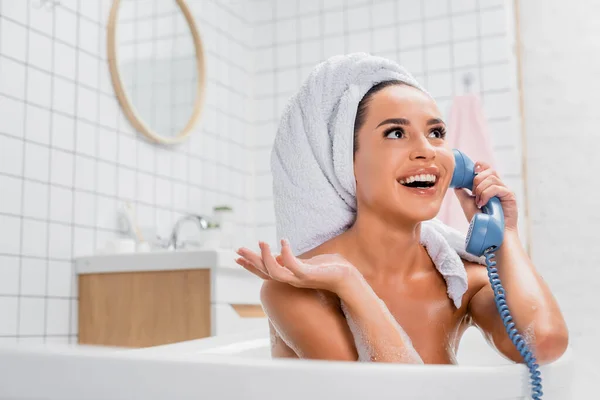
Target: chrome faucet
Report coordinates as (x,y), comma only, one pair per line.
(200,221)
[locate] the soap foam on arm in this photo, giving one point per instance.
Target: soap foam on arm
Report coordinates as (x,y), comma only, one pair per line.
(377,335)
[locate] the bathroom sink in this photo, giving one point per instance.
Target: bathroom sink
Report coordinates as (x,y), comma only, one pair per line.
(151,298)
(161,260)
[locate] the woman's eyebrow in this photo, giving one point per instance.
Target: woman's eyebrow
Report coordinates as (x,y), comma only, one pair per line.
(435,121)
(396,121)
(404,121)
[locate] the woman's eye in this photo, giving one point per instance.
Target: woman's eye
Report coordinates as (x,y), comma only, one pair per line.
(395,134)
(438,133)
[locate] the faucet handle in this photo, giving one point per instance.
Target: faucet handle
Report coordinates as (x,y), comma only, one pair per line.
(200,221)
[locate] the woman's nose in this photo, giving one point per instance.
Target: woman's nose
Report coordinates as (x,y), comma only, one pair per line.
(423,150)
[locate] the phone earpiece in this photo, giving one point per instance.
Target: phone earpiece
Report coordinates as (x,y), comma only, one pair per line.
(486,230)
(464,171)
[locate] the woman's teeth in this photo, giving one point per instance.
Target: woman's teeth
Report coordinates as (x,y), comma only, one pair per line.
(425,178)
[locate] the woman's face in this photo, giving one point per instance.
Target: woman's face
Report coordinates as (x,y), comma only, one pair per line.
(403,165)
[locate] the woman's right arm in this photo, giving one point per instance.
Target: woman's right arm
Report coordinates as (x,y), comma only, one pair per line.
(311,326)
(317,329)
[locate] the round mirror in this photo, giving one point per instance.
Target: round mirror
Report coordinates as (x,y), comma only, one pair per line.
(156,63)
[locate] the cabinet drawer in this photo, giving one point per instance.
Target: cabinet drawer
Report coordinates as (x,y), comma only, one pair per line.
(235,286)
(231,319)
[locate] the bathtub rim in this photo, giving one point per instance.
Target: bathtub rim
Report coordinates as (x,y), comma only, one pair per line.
(204,348)
(155,371)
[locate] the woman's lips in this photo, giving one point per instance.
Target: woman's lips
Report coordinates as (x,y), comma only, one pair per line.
(431,173)
(421,191)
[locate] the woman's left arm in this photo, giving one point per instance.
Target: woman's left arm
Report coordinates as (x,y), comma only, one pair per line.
(534,309)
(535,312)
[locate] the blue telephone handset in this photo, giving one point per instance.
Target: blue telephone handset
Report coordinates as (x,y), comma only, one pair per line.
(485,236)
(486,230)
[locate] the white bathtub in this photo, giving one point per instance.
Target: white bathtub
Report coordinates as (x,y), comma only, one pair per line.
(239,367)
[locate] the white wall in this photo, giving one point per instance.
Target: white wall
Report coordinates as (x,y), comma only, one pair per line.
(562,93)
(439,41)
(68,157)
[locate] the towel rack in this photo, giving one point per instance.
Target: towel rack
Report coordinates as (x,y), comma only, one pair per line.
(468,81)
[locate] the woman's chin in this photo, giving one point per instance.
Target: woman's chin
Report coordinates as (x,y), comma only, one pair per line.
(420,211)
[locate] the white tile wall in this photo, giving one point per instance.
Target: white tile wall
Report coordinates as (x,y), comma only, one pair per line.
(9,275)
(69,157)
(439,41)
(561,93)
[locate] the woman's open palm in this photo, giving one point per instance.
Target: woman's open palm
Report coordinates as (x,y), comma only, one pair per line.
(325,271)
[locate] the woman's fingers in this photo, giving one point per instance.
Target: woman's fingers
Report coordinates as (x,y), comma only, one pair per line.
(501,192)
(320,272)
(491,180)
(483,181)
(483,175)
(276,271)
(290,261)
(251,268)
(264,265)
(279,259)
(254,259)
(481,166)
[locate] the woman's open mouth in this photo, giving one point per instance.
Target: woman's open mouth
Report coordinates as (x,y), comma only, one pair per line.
(422,181)
(420,184)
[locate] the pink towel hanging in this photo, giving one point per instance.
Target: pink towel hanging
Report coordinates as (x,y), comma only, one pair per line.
(469,132)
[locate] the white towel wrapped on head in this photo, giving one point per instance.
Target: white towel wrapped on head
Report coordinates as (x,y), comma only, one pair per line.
(312,163)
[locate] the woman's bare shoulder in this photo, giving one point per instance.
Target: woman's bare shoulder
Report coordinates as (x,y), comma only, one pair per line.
(310,321)
(332,246)
(279,297)
(336,245)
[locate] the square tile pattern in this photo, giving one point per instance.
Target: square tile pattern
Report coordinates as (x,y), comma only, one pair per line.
(69,157)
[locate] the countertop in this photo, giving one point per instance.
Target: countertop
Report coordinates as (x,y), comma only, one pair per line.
(158,261)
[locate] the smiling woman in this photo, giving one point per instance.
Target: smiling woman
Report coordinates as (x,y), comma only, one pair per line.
(399,138)
(370,280)
(421,178)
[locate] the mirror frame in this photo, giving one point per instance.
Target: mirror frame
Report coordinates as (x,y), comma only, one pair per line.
(125,101)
